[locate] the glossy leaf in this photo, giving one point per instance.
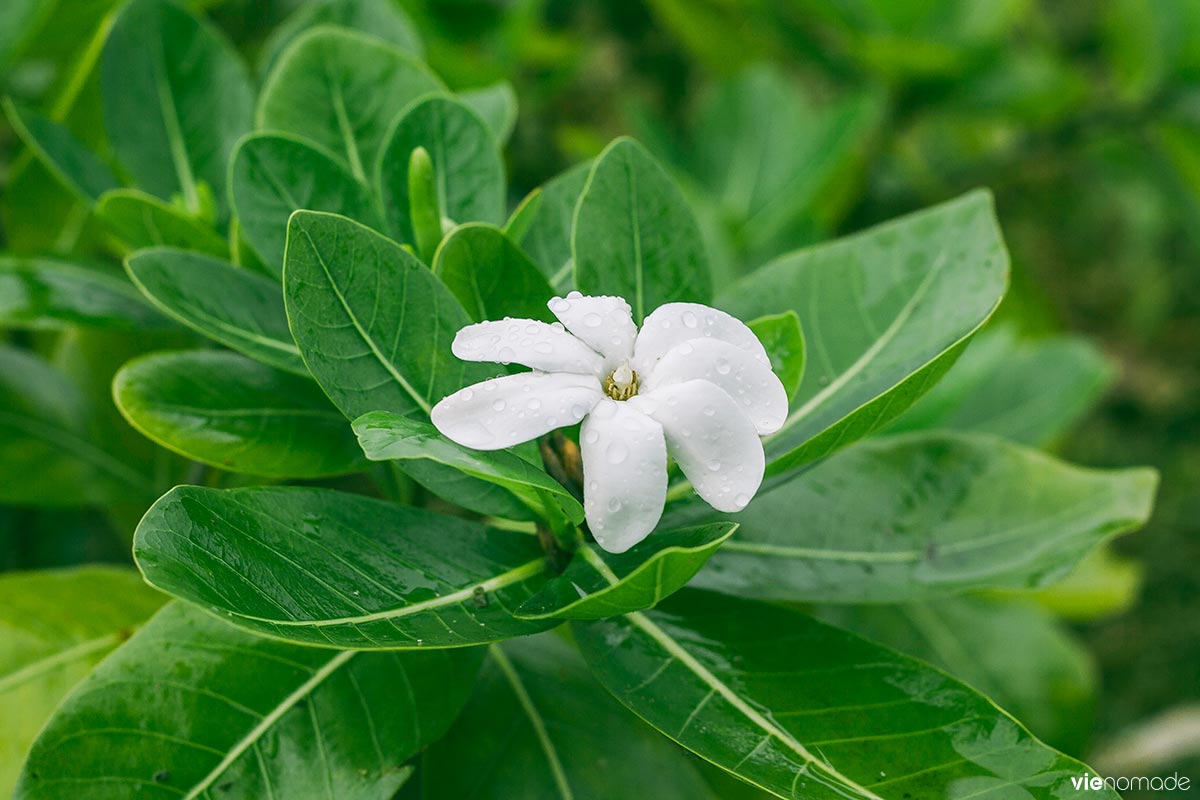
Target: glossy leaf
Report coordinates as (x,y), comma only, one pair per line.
(802,709)
(783,339)
(51,295)
(635,236)
(339,570)
(55,626)
(491,276)
(548,240)
(640,577)
(193,707)
(173,120)
(228,411)
(386,436)
(885,313)
(229,305)
(467,169)
(384,19)
(139,220)
(373,324)
(538,726)
(496,105)
(67,159)
(341,89)
(908,517)
(273,175)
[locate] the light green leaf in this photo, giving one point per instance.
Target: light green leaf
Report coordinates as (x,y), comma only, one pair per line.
(66,158)
(913,516)
(41,294)
(521,219)
(228,411)
(497,105)
(193,707)
(635,236)
(885,314)
(342,89)
(139,220)
(783,339)
(384,19)
(373,324)
(491,276)
(802,709)
(273,175)
(640,577)
(386,436)
(237,308)
(1102,584)
(562,736)
(176,97)
(548,240)
(339,570)
(467,168)
(54,626)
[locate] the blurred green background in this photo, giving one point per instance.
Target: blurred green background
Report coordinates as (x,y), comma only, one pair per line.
(791,122)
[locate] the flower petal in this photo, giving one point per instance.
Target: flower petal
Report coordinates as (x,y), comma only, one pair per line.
(525,341)
(625,471)
(751,383)
(604,324)
(506,411)
(713,442)
(675,323)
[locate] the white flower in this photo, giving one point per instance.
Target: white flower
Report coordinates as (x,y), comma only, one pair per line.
(695,383)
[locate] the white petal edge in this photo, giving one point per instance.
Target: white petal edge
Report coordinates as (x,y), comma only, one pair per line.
(604,324)
(537,345)
(750,382)
(513,409)
(624,474)
(673,324)
(713,442)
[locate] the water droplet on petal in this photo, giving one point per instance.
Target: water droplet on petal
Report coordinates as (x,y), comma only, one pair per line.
(742,500)
(723,366)
(467,394)
(591,437)
(614,504)
(578,411)
(506,355)
(617,453)
(545,348)
(592,320)
(534,404)
(709,411)
(532,329)
(714,465)
(689,319)
(574,295)
(558,305)
(498,405)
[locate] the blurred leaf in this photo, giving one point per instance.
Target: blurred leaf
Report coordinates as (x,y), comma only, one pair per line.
(382,18)
(1101,585)
(19,21)
(783,339)
(71,163)
(548,240)
(41,294)
(491,276)
(139,220)
(497,105)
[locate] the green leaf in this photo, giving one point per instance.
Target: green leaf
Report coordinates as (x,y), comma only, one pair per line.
(424,208)
(1029,391)
(67,159)
(783,339)
(342,89)
(176,98)
(913,516)
(273,175)
(1103,584)
(522,217)
(885,314)
(384,19)
(373,324)
(191,706)
(539,726)
(548,241)
(47,456)
(385,436)
(641,577)
(466,165)
(802,709)
(1048,682)
(139,220)
(54,626)
(339,570)
(229,305)
(41,294)
(635,236)
(497,105)
(228,411)
(491,276)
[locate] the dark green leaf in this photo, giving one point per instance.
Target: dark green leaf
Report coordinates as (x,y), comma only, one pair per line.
(373,324)
(339,570)
(907,517)
(229,305)
(193,707)
(548,240)
(783,339)
(176,97)
(67,159)
(382,18)
(273,175)
(228,411)
(497,105)
(50,295)
(491,276)
(342,89)
(635,236)
(803,709)
(640,577)
(139,220)
(885,314)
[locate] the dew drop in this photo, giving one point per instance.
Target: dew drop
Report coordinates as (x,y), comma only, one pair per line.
(545,348)
(614,504)
(689,319)
(578,411)
(710,411)
(467,394)
(498,405)
(532,329)
(592,320)
(714,465)
(506,355)
(723,366)
(742,500)
(558,305)
(534,404)
(617,453)
(591,437)
(574,295)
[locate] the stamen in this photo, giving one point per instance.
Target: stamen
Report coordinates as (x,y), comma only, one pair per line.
(621,383)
